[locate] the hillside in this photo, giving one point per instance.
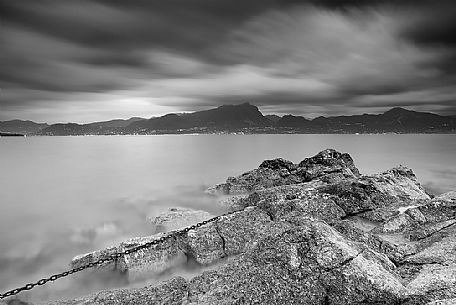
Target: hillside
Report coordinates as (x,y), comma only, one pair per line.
(22,127)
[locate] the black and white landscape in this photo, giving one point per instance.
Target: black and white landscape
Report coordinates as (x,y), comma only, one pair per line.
(227,152)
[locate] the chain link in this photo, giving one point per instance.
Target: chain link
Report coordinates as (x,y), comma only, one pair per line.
(114,256)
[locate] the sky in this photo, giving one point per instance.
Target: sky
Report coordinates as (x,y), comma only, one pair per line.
(93,60)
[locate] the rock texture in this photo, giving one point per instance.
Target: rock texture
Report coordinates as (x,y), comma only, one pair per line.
(317,232)
(178,218)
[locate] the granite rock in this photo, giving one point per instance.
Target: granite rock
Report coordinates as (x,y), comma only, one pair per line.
(178,218)
(229,235)
(435,282)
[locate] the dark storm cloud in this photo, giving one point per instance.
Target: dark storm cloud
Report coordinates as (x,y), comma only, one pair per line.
(147,57)
(434,26)
(188,26)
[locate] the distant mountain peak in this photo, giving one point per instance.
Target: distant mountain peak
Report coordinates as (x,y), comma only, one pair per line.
(398,110)
(243,105)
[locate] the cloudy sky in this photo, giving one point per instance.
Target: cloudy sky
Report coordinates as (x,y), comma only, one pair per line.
(87,60)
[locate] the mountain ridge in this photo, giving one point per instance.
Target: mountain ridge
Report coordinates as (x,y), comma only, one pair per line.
(247,118)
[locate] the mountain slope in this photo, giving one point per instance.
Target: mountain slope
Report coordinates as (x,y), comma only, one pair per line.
(293,121)
(273,117)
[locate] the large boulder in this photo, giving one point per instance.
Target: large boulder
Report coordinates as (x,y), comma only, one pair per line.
(329,164)
(387,192)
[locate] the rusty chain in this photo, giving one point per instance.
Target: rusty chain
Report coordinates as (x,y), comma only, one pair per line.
(113,257)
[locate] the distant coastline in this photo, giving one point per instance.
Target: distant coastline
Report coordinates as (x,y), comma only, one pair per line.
(245,119)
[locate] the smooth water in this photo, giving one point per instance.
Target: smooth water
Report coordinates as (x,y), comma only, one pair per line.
(62,196)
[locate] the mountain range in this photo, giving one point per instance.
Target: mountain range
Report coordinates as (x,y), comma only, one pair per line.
(246,118)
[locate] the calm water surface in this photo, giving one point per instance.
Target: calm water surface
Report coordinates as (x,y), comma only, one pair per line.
(62,196)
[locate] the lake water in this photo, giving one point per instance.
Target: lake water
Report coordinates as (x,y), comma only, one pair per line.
(62,196)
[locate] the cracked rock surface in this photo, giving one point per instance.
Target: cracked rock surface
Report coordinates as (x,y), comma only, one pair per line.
(317,232)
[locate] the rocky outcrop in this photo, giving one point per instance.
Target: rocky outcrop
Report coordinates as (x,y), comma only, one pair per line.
(327,165)
(316,232)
